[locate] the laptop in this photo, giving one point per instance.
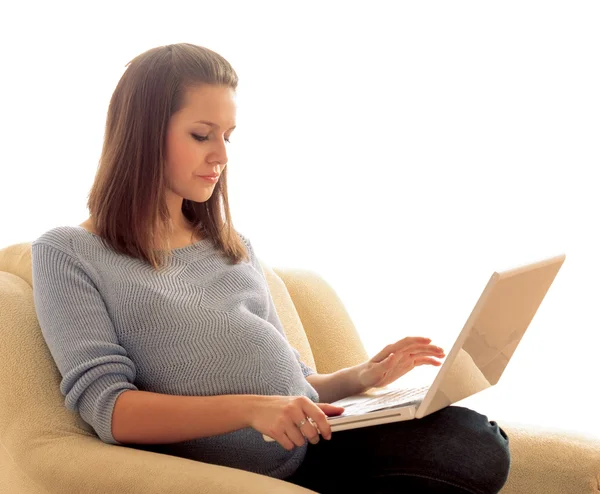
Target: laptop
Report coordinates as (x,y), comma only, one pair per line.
(477,359)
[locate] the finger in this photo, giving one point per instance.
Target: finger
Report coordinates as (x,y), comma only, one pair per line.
(307,430)
(330,410)
(295,433)
(409,342)
(285,441)
(433,349)
(314,429)
(414,355)
(427,360)
(422,351)
(393,347)
(320,418)
(401,363)
(310,431)
(382,355)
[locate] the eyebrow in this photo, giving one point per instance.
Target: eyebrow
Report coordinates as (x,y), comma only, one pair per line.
(212,124)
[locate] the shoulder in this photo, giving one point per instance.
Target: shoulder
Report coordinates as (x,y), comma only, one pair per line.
(253,258)
(61,238)
(245,240)
(242,237)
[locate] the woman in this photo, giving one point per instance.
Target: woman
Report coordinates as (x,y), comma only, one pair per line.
(160,320)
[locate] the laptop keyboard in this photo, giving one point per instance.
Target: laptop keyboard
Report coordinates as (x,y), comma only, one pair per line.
(391,399)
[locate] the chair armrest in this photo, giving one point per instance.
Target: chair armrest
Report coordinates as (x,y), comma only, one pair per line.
(79,463)
(551,461)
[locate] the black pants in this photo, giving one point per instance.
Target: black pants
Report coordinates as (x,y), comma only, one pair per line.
(454,450)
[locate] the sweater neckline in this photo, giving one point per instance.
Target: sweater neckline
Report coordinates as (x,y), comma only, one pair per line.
(183,249)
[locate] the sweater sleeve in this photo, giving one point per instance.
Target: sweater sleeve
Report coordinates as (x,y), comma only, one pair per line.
(273,318)
(79,333)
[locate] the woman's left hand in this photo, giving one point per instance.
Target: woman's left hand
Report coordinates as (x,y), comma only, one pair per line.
(397,359)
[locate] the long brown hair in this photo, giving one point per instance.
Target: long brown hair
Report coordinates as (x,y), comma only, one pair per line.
(127,200)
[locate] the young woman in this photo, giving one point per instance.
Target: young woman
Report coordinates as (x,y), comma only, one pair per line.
(160,319)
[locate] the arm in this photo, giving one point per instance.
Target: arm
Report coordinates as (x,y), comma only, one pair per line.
(79,333)
(97,375)
(141,417)
(337,385)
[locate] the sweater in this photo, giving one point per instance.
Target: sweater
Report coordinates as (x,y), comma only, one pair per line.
(202,326)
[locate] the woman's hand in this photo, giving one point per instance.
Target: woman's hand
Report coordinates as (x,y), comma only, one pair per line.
(279,416)
(397,359)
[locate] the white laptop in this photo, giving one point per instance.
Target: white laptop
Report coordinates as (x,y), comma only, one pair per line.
(477,359)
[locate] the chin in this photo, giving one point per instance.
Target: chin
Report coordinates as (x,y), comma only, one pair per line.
(199,197)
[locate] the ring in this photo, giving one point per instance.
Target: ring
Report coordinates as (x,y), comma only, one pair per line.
(302,423)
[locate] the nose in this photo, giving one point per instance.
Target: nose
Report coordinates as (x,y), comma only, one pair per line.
(219,153)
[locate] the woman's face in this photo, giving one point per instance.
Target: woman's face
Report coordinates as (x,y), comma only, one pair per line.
(195,148)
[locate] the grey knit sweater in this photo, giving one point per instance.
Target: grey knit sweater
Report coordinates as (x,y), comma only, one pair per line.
(202,327)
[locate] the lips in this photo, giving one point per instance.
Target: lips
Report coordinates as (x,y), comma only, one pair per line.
(210,179)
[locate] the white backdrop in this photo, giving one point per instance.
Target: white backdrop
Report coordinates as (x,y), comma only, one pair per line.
(404,152)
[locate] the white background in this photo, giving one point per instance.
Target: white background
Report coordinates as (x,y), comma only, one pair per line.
(404,151)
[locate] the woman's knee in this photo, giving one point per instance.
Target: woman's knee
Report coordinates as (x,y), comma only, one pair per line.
(484,445)
(455,446)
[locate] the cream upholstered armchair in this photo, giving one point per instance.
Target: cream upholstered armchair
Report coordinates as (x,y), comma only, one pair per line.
(45,448)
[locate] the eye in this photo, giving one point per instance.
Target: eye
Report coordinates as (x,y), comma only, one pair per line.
(204,138)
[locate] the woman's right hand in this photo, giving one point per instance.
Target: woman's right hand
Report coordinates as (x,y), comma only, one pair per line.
(278,416)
